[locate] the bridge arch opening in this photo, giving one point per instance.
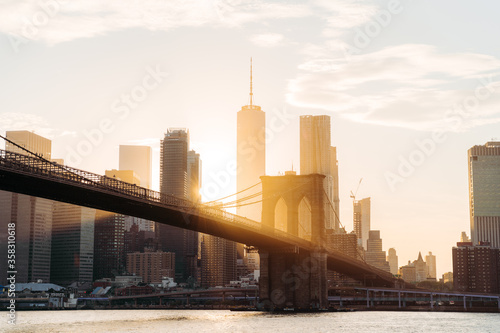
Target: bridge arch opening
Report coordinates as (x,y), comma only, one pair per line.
(281,215)
(305,219)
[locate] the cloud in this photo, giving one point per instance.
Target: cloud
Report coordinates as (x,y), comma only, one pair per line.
(343,15)
(55,21)
(267,40)
(411,86)
(10,121)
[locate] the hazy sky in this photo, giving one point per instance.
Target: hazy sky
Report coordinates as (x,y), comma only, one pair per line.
(410,86)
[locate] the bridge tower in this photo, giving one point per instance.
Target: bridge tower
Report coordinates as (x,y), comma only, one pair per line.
(290,278)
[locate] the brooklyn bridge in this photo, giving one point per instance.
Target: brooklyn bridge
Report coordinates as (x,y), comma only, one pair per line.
(293,269)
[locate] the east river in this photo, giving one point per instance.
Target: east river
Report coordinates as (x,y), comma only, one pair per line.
(195,321)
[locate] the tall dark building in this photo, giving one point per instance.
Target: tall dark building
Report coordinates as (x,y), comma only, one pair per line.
(476,268)
(109,245)
(174,180)
(33,219)
(218,261)
(72,244)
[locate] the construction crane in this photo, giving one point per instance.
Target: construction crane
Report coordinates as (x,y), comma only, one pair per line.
(353,195)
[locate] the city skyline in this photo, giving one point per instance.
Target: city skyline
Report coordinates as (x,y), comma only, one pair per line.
(171,62)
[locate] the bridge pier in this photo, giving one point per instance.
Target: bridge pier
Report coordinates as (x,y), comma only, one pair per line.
(293,280)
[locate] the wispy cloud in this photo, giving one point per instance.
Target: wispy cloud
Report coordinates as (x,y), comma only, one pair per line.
(411,86)
(55,21)
(10,121)
(343,15)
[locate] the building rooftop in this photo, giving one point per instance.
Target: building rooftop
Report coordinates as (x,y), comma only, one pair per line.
(37,286)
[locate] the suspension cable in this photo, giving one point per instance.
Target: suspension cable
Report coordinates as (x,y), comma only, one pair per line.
(209,202)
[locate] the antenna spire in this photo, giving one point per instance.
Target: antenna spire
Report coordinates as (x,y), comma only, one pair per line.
(251,87)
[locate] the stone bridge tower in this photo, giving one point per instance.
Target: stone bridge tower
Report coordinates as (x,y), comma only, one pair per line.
(292,277)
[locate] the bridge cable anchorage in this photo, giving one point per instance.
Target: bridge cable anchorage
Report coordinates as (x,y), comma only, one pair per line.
(361,256)
(209,202)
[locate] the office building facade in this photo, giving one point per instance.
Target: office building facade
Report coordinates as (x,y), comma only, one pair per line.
(484,193)
(72,256)
(361,223)
(138,159)
(374,254)
(392,259)
(218,261)
(318,156)
(32,216)
(152,266)
(109,246)
(174,180)
(476,268)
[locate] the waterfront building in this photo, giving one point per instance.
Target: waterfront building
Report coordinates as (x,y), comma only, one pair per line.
(476,268)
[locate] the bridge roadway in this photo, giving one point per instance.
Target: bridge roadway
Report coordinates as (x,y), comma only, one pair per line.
(38,177)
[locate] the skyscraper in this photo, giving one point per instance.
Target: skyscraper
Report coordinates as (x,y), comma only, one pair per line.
(318,156)
(194,176)
(33,218)
(375,256)
(31,141)
(173,162)
(392,258)
(362,220)
(250,158)
(250,154)
(109,234)
(109,246)
(174,181)
(484,193)
(138,159)
(72,244)
(135,167)
(430,260)
(421,269)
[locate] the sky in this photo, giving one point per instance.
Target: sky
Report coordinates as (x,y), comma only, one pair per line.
(410,86)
